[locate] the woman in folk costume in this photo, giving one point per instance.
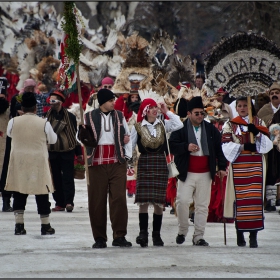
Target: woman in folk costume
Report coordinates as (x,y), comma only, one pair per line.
(128,104)
(152,173)
(244,190)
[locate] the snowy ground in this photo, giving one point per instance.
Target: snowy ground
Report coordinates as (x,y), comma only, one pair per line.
(68,253)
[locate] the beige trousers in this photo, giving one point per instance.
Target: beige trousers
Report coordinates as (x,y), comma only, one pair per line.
(197,188)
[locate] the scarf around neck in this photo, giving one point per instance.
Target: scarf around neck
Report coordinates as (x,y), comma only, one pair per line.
(192,138)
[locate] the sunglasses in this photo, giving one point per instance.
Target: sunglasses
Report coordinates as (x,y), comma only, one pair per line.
(197,113)
(52,101)
(107,86)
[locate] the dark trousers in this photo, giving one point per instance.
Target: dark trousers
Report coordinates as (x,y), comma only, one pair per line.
(102,178)
(62,167)
(5,194)
(42,200)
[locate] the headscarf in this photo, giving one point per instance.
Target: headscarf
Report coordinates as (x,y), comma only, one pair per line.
(144,107)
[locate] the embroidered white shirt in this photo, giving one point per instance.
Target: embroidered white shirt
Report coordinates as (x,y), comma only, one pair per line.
(174,123)
(107,133)
(232,150)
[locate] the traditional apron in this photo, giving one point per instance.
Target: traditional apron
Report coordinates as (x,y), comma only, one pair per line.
(248,185)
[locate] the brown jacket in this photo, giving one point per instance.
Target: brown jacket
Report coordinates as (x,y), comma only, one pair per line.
(266,113)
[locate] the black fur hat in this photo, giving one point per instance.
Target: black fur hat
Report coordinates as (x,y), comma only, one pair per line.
(195,102)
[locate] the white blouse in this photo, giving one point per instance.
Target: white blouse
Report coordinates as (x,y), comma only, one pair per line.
(174,123)
(233,149)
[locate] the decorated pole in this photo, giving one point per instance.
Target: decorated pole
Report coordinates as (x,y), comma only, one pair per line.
(249,104)
(71,25)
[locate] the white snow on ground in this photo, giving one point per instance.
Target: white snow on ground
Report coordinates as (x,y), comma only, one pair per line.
(68,253)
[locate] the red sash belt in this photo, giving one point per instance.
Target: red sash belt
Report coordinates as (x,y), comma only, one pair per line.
(199,164)
(105,154)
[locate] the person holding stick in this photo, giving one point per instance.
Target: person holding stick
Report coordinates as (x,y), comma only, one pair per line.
(149,134)
(244,189)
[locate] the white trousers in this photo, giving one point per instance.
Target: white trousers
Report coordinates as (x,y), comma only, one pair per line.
(197,188)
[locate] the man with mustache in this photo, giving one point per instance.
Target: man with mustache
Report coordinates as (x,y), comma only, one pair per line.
(268,110)
(267,113)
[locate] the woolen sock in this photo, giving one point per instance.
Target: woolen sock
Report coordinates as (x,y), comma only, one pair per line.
(44,219)
(19,216)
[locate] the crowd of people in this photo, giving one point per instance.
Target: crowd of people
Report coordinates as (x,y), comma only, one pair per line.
(224,176)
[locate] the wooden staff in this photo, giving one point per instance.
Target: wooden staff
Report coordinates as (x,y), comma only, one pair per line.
(249,104)
(82,119)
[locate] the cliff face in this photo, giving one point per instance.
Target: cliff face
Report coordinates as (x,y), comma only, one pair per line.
(195,26)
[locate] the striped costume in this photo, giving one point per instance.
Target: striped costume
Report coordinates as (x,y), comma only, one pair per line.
(245,182)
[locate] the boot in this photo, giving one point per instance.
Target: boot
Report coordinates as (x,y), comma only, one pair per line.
(142,239)
(253,239)
(6,205)
(157,241)
(240,238)
(47,229)
(19,229)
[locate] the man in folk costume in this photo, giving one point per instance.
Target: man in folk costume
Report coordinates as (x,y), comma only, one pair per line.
(4,119)
(268,110)
(149,134)
(29,171)
(62,153)
(245,182)
(107,170)
(196,148)
(273,166)
(266,113)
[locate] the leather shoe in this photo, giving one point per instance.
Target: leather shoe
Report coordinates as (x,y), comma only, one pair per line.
(200,242)
(99,243)
(19,229)
(180,239)
(121,242)
(69,208)
(57,208)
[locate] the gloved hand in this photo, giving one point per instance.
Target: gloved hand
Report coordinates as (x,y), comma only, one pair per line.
(250,147)
(252,128)
(130,171)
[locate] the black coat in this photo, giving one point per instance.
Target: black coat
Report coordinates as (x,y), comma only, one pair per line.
(178,143)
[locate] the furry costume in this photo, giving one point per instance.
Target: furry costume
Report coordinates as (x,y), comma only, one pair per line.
(266,113)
